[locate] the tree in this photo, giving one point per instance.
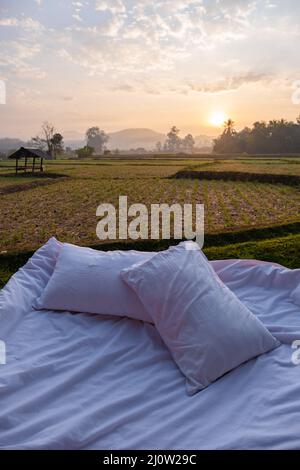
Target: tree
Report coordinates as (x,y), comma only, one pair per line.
(276,136)
(227,142)
(57,144)
(49,140)
(38,142)
(158,147)
(173,141)
(96,138)
(85,152)
(188,143)
(244,140)
(258,138)
(229,127)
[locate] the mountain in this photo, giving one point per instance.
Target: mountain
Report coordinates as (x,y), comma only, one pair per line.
(125,139)
(7,144)
(74,143)
(135,138)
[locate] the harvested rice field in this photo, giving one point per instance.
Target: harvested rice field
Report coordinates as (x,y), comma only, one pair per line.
(33,209)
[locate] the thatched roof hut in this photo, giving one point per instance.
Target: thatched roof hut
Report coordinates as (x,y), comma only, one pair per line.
(33,159)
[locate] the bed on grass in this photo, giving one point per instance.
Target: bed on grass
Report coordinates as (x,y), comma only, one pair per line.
(85,381)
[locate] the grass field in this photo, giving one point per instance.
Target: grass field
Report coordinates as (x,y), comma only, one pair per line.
(247,219)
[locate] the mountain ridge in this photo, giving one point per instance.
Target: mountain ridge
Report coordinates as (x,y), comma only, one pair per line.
(125,139)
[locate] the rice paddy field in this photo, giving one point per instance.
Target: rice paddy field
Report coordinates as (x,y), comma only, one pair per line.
(243,218)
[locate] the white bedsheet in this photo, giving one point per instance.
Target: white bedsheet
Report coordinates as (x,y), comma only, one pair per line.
(78,381)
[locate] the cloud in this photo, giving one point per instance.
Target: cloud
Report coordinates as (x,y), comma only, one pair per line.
(31,24)
(123,87)
(144,36)
(156,86)
(114,6)
(109,26)
(77,17)
(67,98)
(226,84)
(26,95)
(16,58)
(134,39)
(9,22)
(154,47)
(27,24)
(25,51)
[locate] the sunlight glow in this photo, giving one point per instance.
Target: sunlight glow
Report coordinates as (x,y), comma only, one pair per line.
(217,118)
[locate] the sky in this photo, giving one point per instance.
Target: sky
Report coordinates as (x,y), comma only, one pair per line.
(123,63)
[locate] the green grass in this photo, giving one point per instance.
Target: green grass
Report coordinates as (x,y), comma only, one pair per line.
(283,250)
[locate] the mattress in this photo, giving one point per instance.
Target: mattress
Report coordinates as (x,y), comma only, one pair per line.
(82,381)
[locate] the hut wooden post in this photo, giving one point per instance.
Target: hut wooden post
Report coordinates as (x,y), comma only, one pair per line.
(32,160)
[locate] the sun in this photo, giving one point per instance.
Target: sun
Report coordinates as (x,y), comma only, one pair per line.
(217,118)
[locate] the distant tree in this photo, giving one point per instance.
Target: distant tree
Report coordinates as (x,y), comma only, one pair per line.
(38,142)
(276,136)
(107,152)
(227,142)
(243,140)
(69,150)
(158,147)
(96,138)
(85,152)
(188,143)
(48,131)
(296,133)
(229,127)
(173,141)
(57,144)
(141,150)
(49,140)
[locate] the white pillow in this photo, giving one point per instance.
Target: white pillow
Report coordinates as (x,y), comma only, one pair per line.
(206,328)
(87,280)
(296,295)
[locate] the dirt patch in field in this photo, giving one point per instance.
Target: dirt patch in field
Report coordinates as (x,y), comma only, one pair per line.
(290,180)
(42,175)
(27,186)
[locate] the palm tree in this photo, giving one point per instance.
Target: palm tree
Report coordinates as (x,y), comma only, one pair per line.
(229,127)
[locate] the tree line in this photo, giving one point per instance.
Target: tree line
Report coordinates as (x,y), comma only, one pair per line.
(273,137)
(174,143)
(52,141)
(276,136)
